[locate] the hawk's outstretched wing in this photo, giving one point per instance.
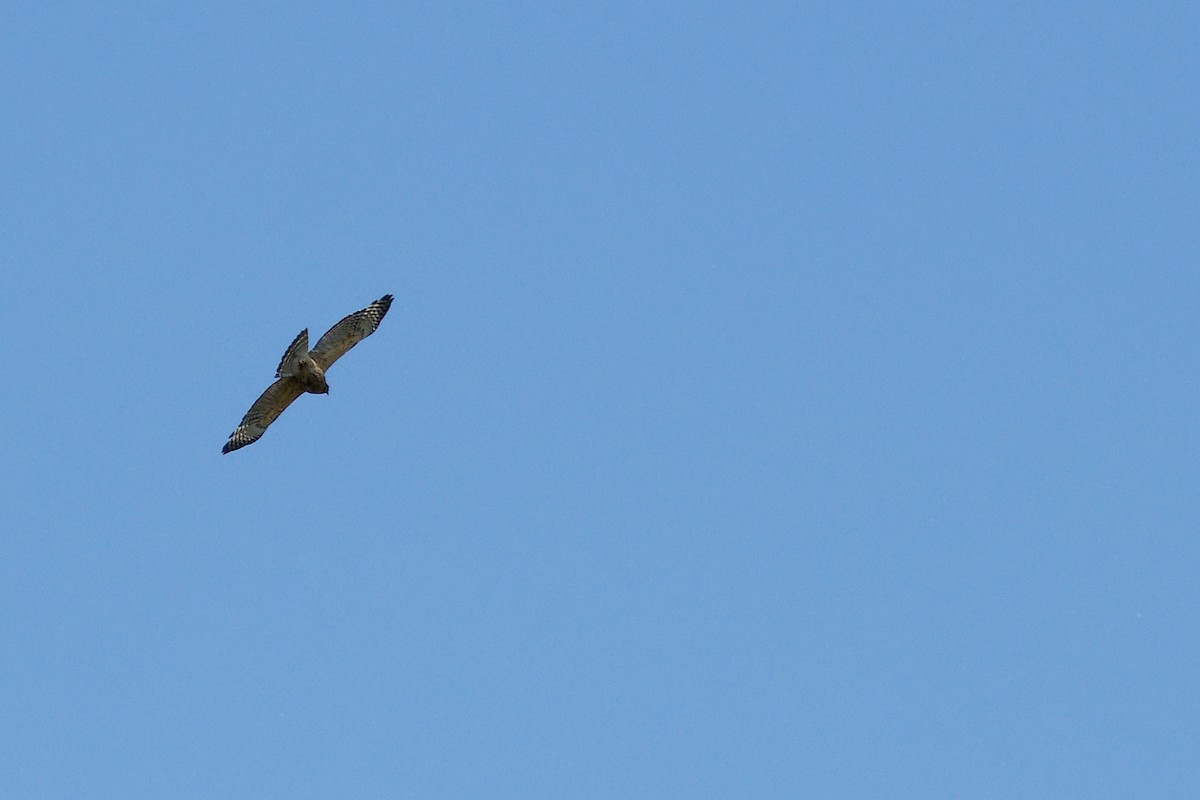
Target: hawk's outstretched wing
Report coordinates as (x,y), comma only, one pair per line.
(278,396)
(349,332)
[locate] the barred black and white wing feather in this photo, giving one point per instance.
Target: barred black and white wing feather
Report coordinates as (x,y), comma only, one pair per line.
(349,332)
(266,409)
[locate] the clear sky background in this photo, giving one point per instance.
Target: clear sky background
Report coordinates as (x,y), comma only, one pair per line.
(779,400)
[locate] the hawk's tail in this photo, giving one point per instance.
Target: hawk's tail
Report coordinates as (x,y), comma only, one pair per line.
(297,350)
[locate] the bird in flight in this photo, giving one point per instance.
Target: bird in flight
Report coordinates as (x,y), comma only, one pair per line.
(303,370)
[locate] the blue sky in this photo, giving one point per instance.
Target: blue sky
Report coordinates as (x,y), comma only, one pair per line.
(782,401)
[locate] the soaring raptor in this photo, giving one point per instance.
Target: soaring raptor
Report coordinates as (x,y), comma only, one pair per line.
(303,370)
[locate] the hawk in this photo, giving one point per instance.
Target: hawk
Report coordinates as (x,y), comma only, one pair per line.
(302,370)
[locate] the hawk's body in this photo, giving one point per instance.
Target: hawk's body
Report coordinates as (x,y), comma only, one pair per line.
(302,370)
